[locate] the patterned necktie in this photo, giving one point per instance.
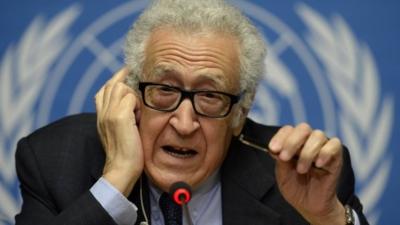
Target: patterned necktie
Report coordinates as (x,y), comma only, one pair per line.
(171,211)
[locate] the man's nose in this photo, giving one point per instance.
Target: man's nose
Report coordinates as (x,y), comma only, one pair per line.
(184,118)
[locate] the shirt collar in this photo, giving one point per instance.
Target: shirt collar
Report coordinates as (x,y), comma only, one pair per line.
(200,196)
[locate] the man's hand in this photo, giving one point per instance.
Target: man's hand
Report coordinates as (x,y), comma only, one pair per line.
(117,114)
(307,171)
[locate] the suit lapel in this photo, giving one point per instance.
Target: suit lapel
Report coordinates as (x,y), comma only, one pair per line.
(247,176)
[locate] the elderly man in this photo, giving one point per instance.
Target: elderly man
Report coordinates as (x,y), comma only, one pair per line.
(177,112)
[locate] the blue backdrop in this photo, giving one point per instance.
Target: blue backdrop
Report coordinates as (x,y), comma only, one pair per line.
(333,64)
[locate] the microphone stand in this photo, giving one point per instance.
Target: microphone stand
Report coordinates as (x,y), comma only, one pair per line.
(186,211)
(181,193)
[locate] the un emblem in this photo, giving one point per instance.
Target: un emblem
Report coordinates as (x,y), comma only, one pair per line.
(327,77)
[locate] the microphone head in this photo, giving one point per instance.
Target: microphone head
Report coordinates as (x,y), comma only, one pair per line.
(180,192)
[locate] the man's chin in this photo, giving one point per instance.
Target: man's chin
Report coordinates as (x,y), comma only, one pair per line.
(164,181)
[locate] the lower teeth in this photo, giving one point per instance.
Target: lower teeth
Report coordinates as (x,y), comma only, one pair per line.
(178,154)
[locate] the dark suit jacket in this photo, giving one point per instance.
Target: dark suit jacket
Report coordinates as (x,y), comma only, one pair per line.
(59,163)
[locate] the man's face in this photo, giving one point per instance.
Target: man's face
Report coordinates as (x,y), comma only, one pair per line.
(181,145)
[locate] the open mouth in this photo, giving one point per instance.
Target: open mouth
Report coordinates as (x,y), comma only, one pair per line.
(179,152)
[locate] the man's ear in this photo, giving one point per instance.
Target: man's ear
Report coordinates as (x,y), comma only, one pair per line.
(240,120)
(242,112)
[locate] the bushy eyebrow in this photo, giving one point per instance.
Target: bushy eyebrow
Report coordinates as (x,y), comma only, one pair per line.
(219,79)
(162,70)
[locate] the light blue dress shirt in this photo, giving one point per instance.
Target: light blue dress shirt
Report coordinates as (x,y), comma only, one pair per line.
(204,207)
(114,202)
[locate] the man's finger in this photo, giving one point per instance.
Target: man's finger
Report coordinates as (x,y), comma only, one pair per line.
(329,152)
(128,106)
(119,76)
(310,150)
(110,84)
(98,98)
(276,143)
(119,91)
(295,141)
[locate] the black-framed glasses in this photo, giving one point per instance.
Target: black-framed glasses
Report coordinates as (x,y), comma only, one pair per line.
(166,98)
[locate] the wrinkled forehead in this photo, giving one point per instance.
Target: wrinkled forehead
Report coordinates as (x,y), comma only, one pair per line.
(215,56)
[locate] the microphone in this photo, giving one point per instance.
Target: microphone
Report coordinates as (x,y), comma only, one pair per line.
(181,193)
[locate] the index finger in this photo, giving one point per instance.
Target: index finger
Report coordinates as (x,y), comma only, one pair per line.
(276,143)
(119,76)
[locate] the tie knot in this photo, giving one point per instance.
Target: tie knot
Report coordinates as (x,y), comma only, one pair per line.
(171,211)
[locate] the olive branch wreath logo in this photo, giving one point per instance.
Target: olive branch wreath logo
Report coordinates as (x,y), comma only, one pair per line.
(23,73)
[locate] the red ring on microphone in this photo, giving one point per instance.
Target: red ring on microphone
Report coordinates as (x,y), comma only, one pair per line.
(181,195)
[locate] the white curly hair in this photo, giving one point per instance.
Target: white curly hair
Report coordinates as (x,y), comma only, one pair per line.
(197,16)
